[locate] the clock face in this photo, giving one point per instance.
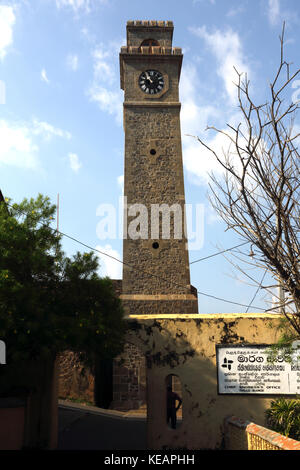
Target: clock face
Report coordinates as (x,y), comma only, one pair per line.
(151,81)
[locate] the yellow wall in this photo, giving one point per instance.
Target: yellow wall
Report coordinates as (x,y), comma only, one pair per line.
(185,345)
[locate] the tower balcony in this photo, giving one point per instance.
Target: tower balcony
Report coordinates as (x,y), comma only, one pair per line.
(154,50)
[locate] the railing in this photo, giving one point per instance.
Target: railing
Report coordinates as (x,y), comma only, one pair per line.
(244,435)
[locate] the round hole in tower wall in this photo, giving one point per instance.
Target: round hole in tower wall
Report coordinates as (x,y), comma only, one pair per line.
(153,152)
(155,245)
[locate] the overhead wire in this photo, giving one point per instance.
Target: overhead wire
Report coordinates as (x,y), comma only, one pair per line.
(144,271)
(219,252)
(259,286)
(155,275)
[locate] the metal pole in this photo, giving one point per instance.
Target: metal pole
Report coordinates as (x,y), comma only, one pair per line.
(57,212)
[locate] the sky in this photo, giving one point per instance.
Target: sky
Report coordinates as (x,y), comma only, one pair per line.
(61,111)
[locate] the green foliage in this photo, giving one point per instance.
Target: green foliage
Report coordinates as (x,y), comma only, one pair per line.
(48,301)
(287,333)
(283,416)
(287,337)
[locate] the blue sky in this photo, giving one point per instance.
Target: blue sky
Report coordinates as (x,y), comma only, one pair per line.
(61,110)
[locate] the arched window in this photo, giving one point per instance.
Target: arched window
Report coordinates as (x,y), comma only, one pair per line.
(174,401)
(150,42)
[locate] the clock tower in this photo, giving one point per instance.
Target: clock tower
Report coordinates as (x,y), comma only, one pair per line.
(156,275)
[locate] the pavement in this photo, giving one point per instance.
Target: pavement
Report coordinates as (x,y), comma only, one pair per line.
(82,427)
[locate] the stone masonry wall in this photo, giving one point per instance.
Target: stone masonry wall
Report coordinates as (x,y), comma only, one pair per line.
(156,263)
(151,181)
(129,373)
(75,381)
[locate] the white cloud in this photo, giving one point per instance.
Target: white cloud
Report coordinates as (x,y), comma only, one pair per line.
(102,89)
(211,215)
(120,180)
(108,101)
(103,70)
(201,1)
(44,76)
(277,15)
(2,92)
(235,11)
(273,11)
(79,5)
(76,5)
(88,36)
(109,266)
(195,117)
(200,162)
(17,148)
(72,62)
(48,130)
(7,21)
(19,144)
(75,164)
(227,48)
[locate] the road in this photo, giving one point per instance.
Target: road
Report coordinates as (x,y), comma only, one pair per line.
(90,428)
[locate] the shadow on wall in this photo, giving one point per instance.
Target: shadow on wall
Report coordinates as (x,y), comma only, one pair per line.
(185,349)
(129,379)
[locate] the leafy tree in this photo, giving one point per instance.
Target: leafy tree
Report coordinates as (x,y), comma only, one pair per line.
(49,302)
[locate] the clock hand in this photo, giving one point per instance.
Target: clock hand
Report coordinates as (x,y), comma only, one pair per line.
(148,77)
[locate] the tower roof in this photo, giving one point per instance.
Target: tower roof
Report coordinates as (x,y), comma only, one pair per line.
(149,23)
(149,38)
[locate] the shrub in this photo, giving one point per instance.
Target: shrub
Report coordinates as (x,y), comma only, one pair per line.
(283,416)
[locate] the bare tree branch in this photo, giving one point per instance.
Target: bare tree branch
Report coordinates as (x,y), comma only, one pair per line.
(259,193)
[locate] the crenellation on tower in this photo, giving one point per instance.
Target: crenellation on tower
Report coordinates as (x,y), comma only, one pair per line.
(139,31)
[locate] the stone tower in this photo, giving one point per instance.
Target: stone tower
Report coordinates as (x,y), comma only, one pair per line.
(156,275)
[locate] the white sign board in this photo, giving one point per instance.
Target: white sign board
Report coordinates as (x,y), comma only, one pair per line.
(250,369)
